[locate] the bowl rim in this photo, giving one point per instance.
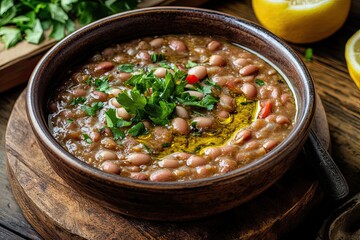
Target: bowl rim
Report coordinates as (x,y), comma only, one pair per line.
(43,134)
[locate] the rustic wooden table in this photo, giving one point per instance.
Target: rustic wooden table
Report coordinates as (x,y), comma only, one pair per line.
(338,92)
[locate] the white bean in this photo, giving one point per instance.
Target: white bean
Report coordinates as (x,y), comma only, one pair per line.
(161,175)
(157,42)
(217,60)
(110,167)
(195,161)
(105,155)
(182,112)
(249,90)
(160,72)
(180,125)
(122,113)
(214,45)
(177,45)
(249,70)
(138,159)
(203,122)
(199,71)
(227,102)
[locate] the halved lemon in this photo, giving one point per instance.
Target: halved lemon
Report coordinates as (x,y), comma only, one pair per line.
(352,56)
(302,21)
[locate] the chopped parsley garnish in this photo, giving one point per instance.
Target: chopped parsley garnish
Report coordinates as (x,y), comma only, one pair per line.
(78,100)
(102,84)
(164,65)
(87,138)
(259,82)
(118,133)
(156,57)
(165,145)
(166,93)
(191,64)
(69,120)
(113,121)
(93,108)
(128,67)
(308,54)
(137,130)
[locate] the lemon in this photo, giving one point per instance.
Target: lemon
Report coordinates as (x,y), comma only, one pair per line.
(302,21)
(352,56)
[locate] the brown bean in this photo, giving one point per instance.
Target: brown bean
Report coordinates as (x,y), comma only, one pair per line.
(203,171)
(143,55)
(105,155)
(157,42)
(285,98)
(211,70)
(169,163)
(199,71)
(251,145)
(213,152)
(138,159)
(125,76)
(248,70)
(104,67)
(281,119)
(203,122)
(180,125)
(160,72)
(217,60)
(115,91)
(271,118)
(227,102)
(214,45)
(108,143)
(139,176)
(110,167)
(53,107)
(95,136)
(195,161)
(223,115)
(79,92)
(177,45)
(227,165)
(100,96)
(161,175)
(270,144)
(182,112)
(228,150)
(143,45)
(249,90)
(197,94)
(122,113)
(182,155)
(241,62)
(242,136)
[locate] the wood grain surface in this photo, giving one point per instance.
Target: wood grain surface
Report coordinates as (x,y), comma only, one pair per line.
(338,92)
(57,211)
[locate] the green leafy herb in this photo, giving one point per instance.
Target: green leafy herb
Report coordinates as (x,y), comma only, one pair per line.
(191,64)
(164,65)
(94,107)
(207,102)
(113,121)
(137,129)
(165,145)
(118,134)
(247,102)
(259,82)
(69,120)
(28,19)
(78,100)
(87,138)
(102,84)
(308,54)
(128,67)
(156,57)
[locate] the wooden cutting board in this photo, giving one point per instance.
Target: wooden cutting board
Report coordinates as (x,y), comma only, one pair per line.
(57,211)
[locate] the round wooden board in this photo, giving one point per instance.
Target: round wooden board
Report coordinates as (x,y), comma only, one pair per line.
(57,211)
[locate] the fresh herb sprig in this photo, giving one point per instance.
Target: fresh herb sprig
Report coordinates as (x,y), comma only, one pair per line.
(28,19)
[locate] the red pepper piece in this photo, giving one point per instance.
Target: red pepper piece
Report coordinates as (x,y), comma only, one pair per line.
(192,79)
(265,110)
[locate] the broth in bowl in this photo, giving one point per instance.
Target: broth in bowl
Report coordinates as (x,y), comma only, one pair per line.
(172,108)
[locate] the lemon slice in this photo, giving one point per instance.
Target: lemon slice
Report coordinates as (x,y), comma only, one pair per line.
(302,21)
(352,56)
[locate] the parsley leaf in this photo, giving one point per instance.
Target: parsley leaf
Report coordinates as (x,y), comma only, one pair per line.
(156,57)
(191,64)
(87,138)
(118,134)
(92,110)
(78,100)
(10,36)
(102,84)
(113,121)
(308,54)
(137,129)
(128,67)
(259,82)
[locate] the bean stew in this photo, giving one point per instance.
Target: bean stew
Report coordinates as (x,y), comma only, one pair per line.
(172,108)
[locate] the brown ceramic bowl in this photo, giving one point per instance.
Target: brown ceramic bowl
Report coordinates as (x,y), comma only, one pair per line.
(169,200)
